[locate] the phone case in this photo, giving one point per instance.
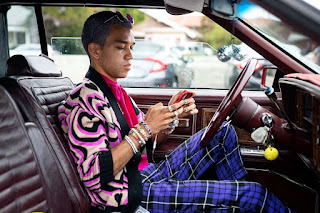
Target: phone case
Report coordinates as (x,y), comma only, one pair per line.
(184,95)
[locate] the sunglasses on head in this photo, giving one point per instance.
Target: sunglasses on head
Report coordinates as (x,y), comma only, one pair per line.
(120,17)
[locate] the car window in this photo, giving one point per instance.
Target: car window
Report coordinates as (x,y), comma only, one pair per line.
(170,51)
(301,47)
(23,33)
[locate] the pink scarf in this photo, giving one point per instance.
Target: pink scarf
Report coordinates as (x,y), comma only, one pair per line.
(127,110)
(124,101)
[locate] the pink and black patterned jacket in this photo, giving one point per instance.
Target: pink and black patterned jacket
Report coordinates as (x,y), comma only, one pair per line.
(92,125)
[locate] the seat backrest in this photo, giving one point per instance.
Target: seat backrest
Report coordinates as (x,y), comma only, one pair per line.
(30,180)
(37,87)
(42,79)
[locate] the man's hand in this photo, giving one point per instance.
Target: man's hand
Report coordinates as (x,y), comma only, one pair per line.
(189,106)
(160,117)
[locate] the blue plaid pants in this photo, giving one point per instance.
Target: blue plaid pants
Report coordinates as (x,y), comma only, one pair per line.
(172,185)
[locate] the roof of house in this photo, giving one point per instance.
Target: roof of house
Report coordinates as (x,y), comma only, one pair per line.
(163,17)
(188,20)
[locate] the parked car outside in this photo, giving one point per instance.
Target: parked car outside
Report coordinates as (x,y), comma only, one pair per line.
(158,65)
(32,49)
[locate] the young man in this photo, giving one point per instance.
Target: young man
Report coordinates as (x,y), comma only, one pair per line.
(107,133)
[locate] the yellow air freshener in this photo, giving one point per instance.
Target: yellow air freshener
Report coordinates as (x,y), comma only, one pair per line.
(271,153)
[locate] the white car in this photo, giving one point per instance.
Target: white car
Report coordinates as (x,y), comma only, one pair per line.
(31,49)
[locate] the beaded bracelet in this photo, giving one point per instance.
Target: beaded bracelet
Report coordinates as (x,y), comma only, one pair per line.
(134,135)
(142,142)
(134,148)
(147,128)
(141,130)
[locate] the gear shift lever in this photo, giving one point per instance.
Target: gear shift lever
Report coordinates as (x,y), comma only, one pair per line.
(273,98)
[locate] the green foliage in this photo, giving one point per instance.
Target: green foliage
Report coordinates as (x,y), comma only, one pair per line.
(136,14)
(65,21)
(215,35)
(68,21)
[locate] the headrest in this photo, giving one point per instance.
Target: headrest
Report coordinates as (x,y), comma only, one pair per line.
(37,66)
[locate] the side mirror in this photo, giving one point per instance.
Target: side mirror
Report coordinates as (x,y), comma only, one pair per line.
(227,9)
(268,74)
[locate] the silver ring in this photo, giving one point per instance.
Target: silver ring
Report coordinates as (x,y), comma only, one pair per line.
(176,113)
(170,109)
(175,122)
(184,102)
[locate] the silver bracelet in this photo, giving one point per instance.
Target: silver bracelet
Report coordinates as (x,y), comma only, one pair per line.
(143,142)
(134,148)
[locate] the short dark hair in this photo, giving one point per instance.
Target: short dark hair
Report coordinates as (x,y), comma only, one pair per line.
(96,29)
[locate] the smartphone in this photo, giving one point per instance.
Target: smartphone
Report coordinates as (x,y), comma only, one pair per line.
(184,95)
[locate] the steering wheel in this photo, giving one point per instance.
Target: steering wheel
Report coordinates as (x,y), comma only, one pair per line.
(225,107)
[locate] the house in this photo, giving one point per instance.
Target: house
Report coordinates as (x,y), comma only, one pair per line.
(22,26)
(158,25)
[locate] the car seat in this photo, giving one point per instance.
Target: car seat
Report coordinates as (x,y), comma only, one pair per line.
(30,178)
(37,87)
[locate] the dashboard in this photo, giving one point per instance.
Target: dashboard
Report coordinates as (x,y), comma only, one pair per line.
(301,100)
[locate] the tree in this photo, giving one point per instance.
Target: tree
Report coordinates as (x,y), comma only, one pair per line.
(215,35)
(68,21)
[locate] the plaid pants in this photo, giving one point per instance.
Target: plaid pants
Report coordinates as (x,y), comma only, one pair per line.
(172,185)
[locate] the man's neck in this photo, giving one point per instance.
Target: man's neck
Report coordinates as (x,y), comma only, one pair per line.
(101,72)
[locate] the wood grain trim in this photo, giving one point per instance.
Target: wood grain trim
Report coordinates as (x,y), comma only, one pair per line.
(207,113)
(206,116)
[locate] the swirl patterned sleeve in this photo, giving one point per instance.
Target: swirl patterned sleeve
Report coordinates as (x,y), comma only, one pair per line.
(91,129)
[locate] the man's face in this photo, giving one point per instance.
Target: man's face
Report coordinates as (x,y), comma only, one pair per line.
(114,58)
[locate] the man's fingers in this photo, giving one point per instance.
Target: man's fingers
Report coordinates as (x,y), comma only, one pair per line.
(190,108)
(194,111)
(158,105)
(188,101)
(175,106)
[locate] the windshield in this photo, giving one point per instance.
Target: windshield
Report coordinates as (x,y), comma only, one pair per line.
(301,47)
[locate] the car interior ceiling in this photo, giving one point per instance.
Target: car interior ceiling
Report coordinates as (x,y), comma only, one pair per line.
(29,96)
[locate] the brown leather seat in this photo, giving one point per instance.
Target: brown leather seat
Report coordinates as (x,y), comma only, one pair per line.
(37,87)
(30,179)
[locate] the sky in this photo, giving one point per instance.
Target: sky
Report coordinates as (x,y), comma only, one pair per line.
(314,3)
(248,10)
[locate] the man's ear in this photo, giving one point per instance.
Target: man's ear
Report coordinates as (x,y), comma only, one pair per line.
(94,50)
